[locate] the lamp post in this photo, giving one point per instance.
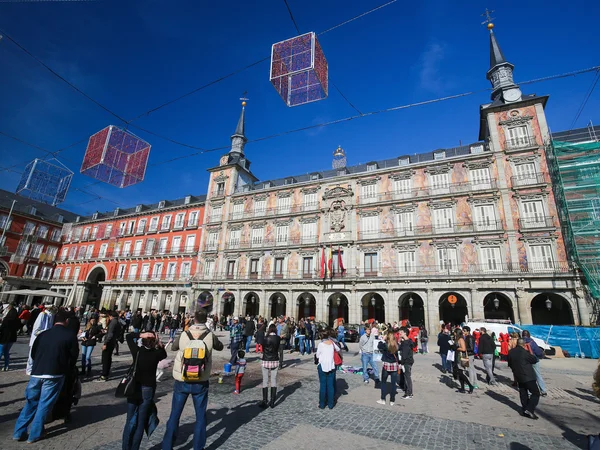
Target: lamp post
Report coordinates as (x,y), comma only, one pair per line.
(411,302)
(548,303)
(496,302)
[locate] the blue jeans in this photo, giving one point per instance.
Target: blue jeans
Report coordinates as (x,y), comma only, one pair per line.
(172,333)
(86,357)
(326,391)
(248,342)
(312,341)
(342,340)
(181,391)
(235,346)
(393,379)
(446,365)
(41,395)
(5,351)
(137,414)
(538,376)
(301,342)
(367,359)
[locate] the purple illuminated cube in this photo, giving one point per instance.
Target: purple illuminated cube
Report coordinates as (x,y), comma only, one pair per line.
(299,70)
(116,157)
(45,181)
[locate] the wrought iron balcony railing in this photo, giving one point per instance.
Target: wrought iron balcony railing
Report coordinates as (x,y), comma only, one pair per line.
(529,223)
(521,142)
(528,179)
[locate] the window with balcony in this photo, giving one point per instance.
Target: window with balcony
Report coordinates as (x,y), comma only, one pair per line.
(369,227)
(310,201)
(518,137)
(307,267)
(193,219)
(108,230)
(440,183)
(260,207)
(371,265)
(30,271)
(406,263)
(145,272)
(402,187)
(405,223)
(443,220)
(525,174)
(533,214)
(220,189)
(281,235)
(51,253)
(103,250)
(117,250)
(284,205)
(162,246)
(55,233)
(141,228)
(90,252)
(5,222)
(94,233)
(137,248)
(257,237)
(77,234)
(278,269)
(216,214)
(213,241)
(76,273)
(238,211)
(209,268)
(57,273)
(176,244)
(234,238)
(153,224)
(368,193)
(122,228)
(130,227)
(67,273)
(186,270)
(480,178)
(36,250)
(171,271)
(179,220)
(485,217)
(82,252)
(127,248)
(42,231)
(230,269)
(166,223)
(72,253)
(309,232)
(45,273)
(490,259)
(254,267)
(29,228)
(132,272)
(157,271)
(540,257)
(86,233)
(190,242)
(447,260)
(121,272)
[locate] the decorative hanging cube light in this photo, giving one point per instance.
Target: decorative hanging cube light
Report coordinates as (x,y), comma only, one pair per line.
(46,181)
(116,156)
(299,70)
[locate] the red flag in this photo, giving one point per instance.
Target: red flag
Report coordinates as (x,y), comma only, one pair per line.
(330,263)
(340,262)
(323,263)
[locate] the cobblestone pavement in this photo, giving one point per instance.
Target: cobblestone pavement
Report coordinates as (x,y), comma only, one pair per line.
(437,417)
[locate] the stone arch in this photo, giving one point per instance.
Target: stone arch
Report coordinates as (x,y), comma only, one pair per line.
(373,307)
(252,304)
(307,306)
(228,302)
(337,304)
(454,313)
(560,311)
(497,305)
(415,312)
(93,288)
(278,304)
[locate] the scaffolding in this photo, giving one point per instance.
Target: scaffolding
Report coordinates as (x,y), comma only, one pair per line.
(574,164)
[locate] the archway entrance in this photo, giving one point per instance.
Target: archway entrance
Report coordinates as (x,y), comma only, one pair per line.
(92,293)
(551,309)
(307,306)
(373,307)
(412,308)
(338,308)
(278,304)
(252,303)
(498,306)
(205,300)
(453,308)
(228,300)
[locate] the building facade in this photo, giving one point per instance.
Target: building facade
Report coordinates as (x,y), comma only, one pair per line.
(136,258)
(464,232)
(30,240)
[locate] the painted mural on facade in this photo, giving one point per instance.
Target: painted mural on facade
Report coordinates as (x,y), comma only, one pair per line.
(468,256)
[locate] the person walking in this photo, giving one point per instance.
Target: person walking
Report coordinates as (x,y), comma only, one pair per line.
(424,339)
(470,343)
(326,370)
(406,361)
(389,357)
(444,345)
(249,329)
(141,410)
(90,337)
(365,345)
(137,322)
(11,324)
(54,353)
(270,365)
(535,350)
(521,362)
(283,331)
(486,348)
(260,335)
(44,321)
(341,336)
(182,389)
(110,340)
(236,337)
(461,361)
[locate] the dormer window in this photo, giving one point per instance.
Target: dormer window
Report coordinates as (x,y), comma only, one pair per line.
(138,208)
(476,149)
(267,185)
(342,172)
(404,161)
(161,204)
(315,176)
(290,180)
(441,154)
(95,215)
(116,212)
(32,210)
(371,167)
(187,199)
(60,218)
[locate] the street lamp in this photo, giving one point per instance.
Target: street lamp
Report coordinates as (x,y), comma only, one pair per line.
(496,302)
(411,302)
(548,303)
(373,300)
(338,301)
(279,300)
(253,299)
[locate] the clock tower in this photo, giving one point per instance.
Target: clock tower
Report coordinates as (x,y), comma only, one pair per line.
(501,73)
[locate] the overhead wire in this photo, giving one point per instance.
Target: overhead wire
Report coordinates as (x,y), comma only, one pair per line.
(585,99)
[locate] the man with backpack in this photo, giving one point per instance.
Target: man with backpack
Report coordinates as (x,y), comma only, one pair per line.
(191,370)
(536,351)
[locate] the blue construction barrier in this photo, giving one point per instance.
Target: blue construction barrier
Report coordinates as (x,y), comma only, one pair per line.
(576,341)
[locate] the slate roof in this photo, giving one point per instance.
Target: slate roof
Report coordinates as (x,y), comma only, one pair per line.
(43,211)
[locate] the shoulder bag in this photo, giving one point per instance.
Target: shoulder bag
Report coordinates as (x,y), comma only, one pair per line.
(126,387)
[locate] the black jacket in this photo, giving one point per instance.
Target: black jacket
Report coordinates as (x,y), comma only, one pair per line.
(406,352)
(54,351)
(387,356)
(470,344)
(520,361)
(91,336)
(486,345)
(271,348)
(136,321)
(249,328)
(443,343)
(114,331)
(260,333)
(148,359)
(10,326)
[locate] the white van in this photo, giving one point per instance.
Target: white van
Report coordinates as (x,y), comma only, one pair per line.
(503,326)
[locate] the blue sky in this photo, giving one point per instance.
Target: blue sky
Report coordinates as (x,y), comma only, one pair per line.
(132,55)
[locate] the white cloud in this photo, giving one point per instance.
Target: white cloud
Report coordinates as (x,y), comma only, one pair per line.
(431,76)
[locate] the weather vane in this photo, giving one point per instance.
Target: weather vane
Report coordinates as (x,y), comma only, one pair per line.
(488,18)
(244,99)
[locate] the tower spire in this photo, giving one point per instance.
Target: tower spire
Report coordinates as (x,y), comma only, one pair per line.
(238,139)
(500,73)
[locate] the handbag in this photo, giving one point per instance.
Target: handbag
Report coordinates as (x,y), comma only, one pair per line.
(450,356)
(464,360)
(126,387)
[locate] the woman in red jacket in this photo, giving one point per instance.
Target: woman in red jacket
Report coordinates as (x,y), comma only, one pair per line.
(504,339)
